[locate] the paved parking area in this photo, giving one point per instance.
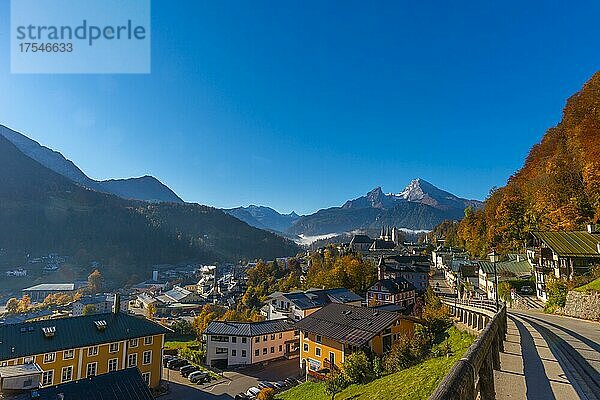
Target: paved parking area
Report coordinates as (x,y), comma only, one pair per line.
(232,383)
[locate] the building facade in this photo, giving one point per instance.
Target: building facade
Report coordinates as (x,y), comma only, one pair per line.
(229,344)
(562,254)
(70,349)
(297,305)
(330,334)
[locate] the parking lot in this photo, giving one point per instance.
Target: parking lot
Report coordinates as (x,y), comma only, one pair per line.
(232,382)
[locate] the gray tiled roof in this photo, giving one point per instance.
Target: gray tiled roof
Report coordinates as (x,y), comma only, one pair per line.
(393,286)
(125,384)
(314,298)
(230,328)
(27,338)
(348,324)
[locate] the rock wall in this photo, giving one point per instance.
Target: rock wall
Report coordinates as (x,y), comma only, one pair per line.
(582,305)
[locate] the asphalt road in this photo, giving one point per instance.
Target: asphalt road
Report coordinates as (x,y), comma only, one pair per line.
(549,357)
(232,383)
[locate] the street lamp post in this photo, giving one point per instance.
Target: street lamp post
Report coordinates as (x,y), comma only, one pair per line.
(494,258)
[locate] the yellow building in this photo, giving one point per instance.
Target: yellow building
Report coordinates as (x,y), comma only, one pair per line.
(69,349)
(330,334)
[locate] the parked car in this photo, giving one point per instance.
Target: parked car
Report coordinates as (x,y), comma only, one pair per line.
(197,376)
(166,359)
(177,363)
(188,369)
(253,392)
(265,384)
(279,385)
(242,396)
(526,289)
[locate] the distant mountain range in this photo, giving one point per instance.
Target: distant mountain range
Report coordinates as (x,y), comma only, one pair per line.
(42,211)
(420,206)
(264,217)
(146,188)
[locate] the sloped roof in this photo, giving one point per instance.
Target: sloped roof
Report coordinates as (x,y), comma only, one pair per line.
(348,324)
(574,244)
(380,244)
(52,286)
(361,239)
(230,328)
(126,384)
(177,293)
(314,298)
(517,268)
(393,286)
(27,338)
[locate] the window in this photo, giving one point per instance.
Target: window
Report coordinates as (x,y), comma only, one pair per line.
(256,353)
(318,351)
(67,374)
(148,340)
(305,347)
(280,335)
(147,357)
(219,338)
(243,353)
(28,360)
(221,350)
(132,360)
(272,337)
(93,351)
(233,352)
(319,339)
(305,335)
(48,378)
(243,340)
(68,354)
(112,364)
(133,342)
(233,339)
(272,349)
(264,351)
(49,357)
(265,338)
(91,369)
(280,348)
(146,378)
(257,339)
(113,347)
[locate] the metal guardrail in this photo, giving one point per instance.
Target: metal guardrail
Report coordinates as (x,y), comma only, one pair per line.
(472,376)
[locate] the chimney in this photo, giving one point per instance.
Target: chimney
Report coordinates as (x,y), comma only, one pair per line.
(155,276)
(116,304)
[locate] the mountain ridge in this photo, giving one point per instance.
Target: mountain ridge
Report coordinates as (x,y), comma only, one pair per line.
(42,211)
(419,206)
(264,217)
(141,188)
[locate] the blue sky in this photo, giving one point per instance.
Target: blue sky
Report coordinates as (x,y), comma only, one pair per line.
(301,105)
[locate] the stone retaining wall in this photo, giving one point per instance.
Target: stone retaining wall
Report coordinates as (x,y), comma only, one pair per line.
(584,305)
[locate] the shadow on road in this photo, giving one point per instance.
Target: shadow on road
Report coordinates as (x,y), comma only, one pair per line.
(536,380)
(584,378)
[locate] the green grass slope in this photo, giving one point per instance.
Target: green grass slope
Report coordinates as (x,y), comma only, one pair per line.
(417,382)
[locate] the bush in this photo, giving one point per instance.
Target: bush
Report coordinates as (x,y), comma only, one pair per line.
(357,368)
(408,351)
(556,289)
(335,383)
(194,356)
(266,394)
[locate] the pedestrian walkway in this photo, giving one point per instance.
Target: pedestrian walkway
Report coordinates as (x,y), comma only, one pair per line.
(549,357)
